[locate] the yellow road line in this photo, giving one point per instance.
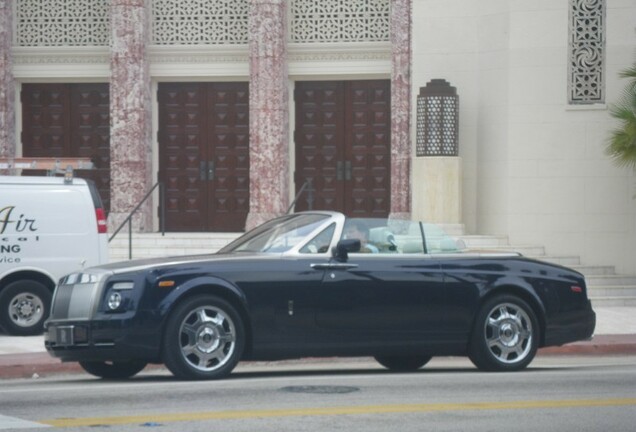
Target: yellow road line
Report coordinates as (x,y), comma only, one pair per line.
(352,410)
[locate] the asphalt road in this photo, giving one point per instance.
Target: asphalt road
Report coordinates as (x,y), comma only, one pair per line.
(556,393)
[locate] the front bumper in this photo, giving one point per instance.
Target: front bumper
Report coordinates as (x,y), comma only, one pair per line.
(106,340)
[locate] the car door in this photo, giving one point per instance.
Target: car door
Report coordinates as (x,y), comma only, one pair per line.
(389,299)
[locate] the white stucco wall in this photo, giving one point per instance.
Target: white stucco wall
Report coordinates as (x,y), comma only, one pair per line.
(534,167)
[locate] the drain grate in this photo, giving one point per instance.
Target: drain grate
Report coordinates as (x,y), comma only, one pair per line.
(320,389)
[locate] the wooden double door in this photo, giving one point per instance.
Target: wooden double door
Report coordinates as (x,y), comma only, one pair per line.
(204,155)
(69,120)
(343,146)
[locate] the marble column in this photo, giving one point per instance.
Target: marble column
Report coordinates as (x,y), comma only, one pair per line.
(269,111)
(7,83)
(130,113)
(400,29)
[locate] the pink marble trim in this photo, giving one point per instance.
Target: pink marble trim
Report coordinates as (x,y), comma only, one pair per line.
(130,115)
(269,111)
(400,28)
(7,83)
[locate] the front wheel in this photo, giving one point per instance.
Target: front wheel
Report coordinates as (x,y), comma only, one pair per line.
(113,370)
(204,339)
(403,363)
(24,305)
(505,336)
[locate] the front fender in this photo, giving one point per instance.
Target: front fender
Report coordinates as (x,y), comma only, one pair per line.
(212,284)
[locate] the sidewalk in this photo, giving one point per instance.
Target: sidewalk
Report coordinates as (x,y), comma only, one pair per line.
(24,357)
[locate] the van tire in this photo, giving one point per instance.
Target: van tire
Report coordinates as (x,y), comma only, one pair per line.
(24,306)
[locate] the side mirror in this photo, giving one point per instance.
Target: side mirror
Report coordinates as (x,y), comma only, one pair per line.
(344,247)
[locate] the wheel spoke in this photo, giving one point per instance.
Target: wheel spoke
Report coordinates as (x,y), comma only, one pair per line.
(190,330)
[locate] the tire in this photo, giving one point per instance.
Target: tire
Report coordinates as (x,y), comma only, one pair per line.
(403,363)
(506,335)
(204,339)
(24,306)
(113,370)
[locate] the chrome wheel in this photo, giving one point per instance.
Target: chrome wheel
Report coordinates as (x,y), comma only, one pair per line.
(207,338)
(505,336)
(204,338)
(26,309)
(508,333)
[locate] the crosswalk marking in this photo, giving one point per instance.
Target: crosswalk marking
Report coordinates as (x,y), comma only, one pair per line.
(16,423)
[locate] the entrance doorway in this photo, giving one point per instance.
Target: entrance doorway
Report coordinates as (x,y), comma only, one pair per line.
(69,120)
(204,155)
(343,146)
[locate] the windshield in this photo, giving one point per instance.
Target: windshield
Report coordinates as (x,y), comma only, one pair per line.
(278,235)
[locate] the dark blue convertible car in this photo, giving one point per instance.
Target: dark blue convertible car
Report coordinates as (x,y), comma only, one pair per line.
(318,284)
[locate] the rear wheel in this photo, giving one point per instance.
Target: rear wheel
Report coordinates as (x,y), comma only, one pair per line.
(113,370)
(204,339)
(506,335)
(24,305)
(403,363)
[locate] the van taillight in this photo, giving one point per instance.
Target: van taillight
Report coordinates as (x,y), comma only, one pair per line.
(102,226)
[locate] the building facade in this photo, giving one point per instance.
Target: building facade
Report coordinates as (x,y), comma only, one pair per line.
(237,105)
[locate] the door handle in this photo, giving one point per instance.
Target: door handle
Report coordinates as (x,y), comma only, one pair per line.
(333,266)
(340,170)
(347,170)
(202,174)
(206,170)
(210,170)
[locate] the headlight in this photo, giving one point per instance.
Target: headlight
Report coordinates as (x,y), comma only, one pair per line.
(114,301)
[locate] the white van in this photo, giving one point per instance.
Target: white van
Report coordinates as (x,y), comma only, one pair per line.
(49,227)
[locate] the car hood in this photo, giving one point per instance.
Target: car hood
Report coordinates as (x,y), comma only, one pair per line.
(145,264)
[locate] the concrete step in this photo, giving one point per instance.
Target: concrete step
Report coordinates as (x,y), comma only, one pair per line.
(479,242)
(612,291)
(564,260)
(610,280)
(613,301)
(525,250)
(591,270)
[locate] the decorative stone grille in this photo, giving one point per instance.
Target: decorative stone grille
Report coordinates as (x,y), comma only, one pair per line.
(199,22)
(437,120)
(340,20)
(586,77)
(62,22)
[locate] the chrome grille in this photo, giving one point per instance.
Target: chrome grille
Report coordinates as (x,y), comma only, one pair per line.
(76,296)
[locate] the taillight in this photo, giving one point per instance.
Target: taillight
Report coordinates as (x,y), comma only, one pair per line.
(102,226)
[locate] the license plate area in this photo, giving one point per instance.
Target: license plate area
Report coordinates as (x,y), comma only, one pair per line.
(64,335)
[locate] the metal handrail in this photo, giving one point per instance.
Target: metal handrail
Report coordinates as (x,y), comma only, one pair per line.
(128,220)
(310,193)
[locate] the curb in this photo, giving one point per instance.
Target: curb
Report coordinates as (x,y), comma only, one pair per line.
(600,345)
(36,365)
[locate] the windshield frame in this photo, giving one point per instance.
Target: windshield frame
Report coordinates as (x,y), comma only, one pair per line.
(278,229)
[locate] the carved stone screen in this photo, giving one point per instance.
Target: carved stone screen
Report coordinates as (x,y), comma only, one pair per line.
(586,75)
(340,20)
(199,22)
(62,22)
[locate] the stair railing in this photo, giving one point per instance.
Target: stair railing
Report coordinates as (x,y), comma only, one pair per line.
(128,220)
(310,196)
